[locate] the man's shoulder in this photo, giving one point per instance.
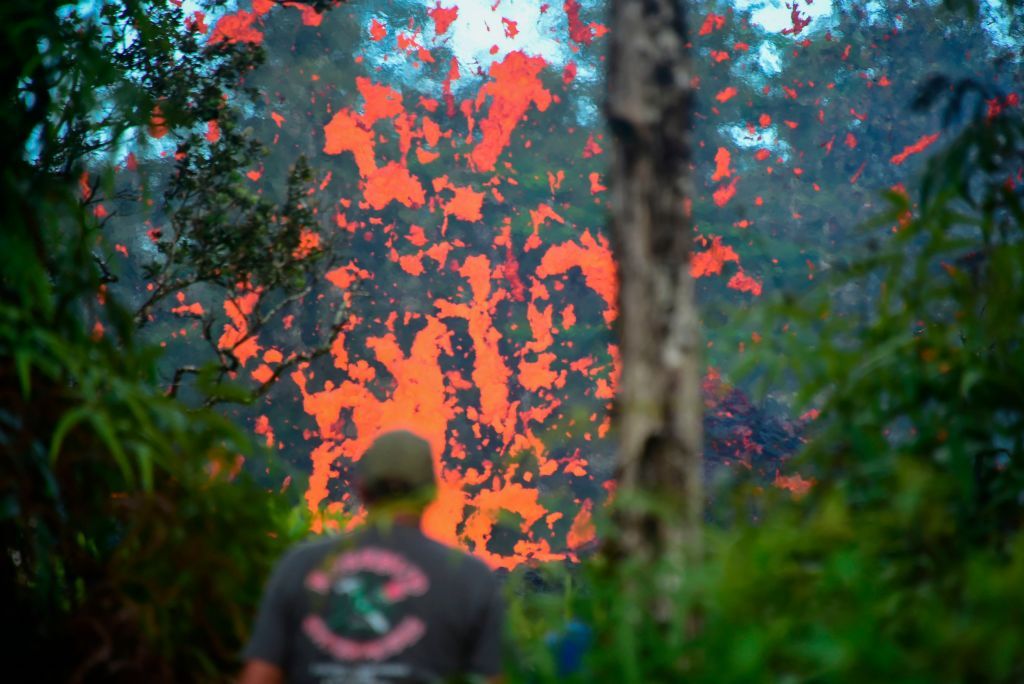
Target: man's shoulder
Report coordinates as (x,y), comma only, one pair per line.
(316,545)
(310,551)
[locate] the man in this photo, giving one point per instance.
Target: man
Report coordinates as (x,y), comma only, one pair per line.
(385,603)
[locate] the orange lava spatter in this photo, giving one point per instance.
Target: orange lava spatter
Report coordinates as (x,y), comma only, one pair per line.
(578,31)
(490,372)
(465,204)
(381,101)
(236,337)
(393,183)
(726,192)
(712,260)
(238,27)
(593,257)
(345,133)
(922,143)
(742,282)
(310,17)
(443,17)
(722,164)
(513,87)
(712,22)
(538,216)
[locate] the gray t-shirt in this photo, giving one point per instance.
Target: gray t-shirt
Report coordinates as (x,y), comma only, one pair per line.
(384,604)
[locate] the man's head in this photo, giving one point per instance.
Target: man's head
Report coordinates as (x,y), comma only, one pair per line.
(397,470)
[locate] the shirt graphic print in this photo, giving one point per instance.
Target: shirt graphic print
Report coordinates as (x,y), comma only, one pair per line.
(356,604)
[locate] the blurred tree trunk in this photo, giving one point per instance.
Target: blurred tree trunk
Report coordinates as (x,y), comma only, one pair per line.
(659,409)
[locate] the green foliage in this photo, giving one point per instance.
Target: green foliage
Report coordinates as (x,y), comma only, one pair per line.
(224,232)
(835,597)
(931,375)
(131,544)
(133,547)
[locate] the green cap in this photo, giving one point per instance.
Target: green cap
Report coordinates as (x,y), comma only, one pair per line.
(398,457)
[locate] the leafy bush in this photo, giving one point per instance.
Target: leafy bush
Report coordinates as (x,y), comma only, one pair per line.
(133,548)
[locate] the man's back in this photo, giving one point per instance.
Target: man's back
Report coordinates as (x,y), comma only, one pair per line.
(384,604)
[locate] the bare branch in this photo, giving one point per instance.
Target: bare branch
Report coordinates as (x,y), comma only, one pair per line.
(105,274)
(294,360)
(180,373)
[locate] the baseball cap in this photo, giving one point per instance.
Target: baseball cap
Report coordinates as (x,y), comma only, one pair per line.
(397,458)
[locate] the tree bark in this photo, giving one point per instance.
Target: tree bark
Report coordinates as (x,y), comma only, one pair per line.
(659,406)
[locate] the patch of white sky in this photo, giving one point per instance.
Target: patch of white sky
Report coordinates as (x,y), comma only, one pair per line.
(1001,29)
(767,138)
(775,15)
(769,59)
(478,29)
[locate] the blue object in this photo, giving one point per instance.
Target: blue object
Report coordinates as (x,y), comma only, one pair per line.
(569,645)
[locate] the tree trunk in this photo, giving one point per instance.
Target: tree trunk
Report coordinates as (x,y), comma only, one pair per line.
(659,405)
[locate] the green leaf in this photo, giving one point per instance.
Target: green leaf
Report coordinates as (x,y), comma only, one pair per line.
(69,420)
(23,362)
(145,460)
(970,378)
(106,432)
